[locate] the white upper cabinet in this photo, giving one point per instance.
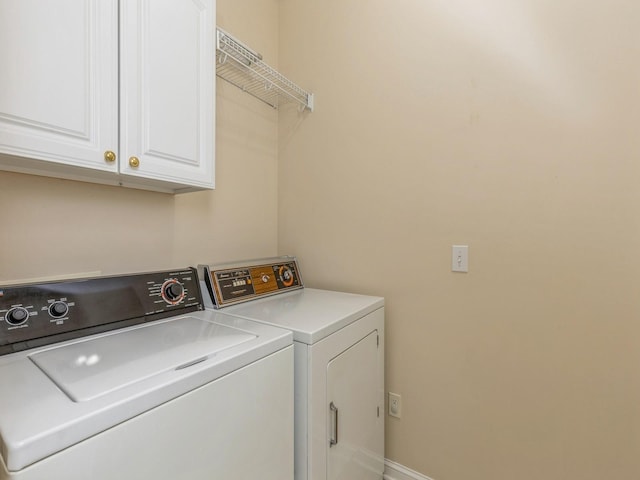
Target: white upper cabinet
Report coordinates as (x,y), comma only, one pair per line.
(83,78)
(167,79)
(59,81)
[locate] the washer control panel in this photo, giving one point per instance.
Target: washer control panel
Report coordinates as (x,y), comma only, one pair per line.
(42,313)
(228,284)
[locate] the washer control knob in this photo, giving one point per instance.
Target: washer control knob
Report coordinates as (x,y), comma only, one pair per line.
(17,316)
(172,291)
(265,278)
(58,309)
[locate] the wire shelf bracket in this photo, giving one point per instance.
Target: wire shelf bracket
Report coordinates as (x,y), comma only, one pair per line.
(242,67)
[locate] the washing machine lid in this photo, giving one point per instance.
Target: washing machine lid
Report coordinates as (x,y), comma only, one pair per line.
(311,314)
(56,396)
(98,366)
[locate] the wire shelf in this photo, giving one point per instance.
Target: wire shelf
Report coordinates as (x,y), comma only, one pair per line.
(240,66)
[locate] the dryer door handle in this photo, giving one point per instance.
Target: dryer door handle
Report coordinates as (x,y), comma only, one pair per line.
(333,439)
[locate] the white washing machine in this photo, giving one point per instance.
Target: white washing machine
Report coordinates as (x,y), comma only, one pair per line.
(130,378)
(339,362)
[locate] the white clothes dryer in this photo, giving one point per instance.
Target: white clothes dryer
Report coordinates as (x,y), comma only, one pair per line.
(339,362)
(129,377)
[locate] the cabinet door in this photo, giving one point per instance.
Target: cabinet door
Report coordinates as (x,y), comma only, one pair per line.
(167,90)
(59,82)
(354,413)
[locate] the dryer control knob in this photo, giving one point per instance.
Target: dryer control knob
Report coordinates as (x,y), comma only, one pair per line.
(265,278)
(17,316)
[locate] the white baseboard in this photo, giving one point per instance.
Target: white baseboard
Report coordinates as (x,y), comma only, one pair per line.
(395,471)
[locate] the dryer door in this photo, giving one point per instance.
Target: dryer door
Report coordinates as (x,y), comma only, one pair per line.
(355,421)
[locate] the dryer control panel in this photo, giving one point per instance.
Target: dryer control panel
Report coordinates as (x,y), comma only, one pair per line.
(38,314)
(231,283)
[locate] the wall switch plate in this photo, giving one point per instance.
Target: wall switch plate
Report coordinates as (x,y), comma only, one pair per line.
(460,258)
(395,405)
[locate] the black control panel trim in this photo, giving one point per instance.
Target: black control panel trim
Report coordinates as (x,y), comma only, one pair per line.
(92,306)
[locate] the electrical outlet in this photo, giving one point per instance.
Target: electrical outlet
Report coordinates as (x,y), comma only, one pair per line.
(395,405)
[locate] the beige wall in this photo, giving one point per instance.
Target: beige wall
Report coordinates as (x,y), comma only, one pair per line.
(56,227)
(508,127)
(511,127)
(239,219)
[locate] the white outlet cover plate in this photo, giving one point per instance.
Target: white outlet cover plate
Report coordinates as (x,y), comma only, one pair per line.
(395,405)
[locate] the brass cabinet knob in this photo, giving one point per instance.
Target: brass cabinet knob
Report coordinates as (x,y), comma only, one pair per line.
(134,162)
(109,156)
